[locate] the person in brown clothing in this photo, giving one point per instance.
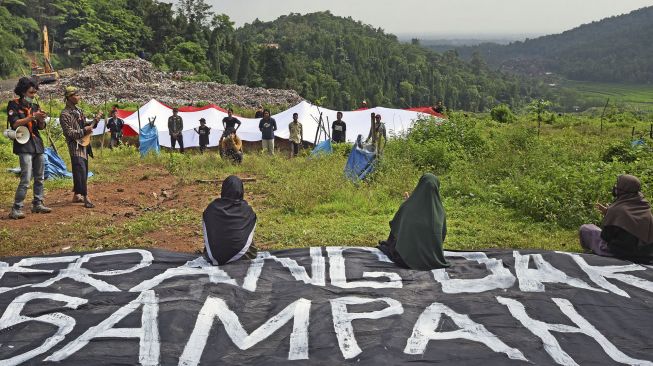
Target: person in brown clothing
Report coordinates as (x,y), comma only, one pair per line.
(231,146)
(73,125)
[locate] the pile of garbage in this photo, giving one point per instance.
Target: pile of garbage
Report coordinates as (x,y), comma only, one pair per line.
(137,80)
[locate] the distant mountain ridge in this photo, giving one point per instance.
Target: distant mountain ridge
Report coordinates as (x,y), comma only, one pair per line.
(615,49)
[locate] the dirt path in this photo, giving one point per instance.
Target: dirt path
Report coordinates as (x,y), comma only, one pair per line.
(144,193)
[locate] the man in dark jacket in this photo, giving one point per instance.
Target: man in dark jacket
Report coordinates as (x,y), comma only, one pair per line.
(175,128)
(267,126)
(25,112)
(115,125)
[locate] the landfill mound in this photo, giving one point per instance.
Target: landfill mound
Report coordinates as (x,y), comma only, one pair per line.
(137,80)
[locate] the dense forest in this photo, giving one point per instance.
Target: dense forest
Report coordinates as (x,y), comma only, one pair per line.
(615,49)
(336,61)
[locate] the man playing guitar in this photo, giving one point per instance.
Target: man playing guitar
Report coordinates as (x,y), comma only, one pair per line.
(78,137)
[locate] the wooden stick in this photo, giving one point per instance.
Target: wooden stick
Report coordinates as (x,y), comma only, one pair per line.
(104,128)
(222,180)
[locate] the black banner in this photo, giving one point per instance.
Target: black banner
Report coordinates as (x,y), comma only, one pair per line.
(328,305)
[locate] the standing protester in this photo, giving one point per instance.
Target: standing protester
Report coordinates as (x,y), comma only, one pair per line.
(232,147)
(24,112)
(203,130)
(73,125)
(175,128)
(259,112)
(339,129)
(267,125)
(115,125)
(228,123)
(377,132)
(296,135)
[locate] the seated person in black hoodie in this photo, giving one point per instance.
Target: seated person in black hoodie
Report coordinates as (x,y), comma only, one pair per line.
(229,223)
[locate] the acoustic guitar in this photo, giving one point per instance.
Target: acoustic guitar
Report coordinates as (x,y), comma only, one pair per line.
(86,139)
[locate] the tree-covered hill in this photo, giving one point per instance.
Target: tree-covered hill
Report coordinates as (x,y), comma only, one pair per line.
(338,61)
(615,49)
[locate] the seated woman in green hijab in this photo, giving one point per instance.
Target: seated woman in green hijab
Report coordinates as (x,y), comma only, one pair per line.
(418,229)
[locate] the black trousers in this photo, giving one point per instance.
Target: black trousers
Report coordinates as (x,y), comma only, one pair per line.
(179,139)
(80,175)
(294,148)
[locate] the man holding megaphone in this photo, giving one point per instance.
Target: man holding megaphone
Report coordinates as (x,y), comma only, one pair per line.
(23,113)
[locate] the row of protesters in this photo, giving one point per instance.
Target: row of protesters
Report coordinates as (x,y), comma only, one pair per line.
(24,111)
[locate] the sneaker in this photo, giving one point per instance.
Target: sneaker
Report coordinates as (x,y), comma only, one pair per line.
(41,208)
(78,198)
(88,204)
(16,214)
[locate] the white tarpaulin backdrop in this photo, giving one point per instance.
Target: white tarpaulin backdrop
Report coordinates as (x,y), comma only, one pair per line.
(397,121)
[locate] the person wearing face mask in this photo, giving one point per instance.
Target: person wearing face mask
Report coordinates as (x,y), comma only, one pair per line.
(229,223)
(25,112)
(626,231)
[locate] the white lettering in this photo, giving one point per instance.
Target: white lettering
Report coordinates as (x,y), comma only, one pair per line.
(426,327)
(543,331)
(148,333)
(76,272)
(532,280)
(197,267)
(342,319)
(599,275)
(63,322)
(20,267)
(500,277)
(338,274)
(214,307)
(297,271)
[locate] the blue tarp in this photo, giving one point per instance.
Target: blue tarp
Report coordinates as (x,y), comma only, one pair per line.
(323,148)
(360,162)
(149,140)
(55,167)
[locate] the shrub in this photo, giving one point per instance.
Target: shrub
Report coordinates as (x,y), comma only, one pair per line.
(502,113)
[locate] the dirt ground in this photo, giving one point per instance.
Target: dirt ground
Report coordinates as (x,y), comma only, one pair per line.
(144,190)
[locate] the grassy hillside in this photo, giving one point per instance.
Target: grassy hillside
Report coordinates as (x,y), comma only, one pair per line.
(503,187)
(616,49)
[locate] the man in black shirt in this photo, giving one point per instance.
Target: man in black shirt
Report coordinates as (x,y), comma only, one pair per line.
(267,125)
(24,112)
(339,129)
(229,123)
(203,130)
(115,126)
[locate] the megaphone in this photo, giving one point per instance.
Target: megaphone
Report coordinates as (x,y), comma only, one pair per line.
(20,135)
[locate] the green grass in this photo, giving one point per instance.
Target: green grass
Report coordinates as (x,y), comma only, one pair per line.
(502,186)
(637,97)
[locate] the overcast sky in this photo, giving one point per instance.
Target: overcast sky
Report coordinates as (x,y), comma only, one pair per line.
(443,17)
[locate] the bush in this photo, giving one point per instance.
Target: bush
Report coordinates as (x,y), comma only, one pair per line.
(502,113)
(620,151)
